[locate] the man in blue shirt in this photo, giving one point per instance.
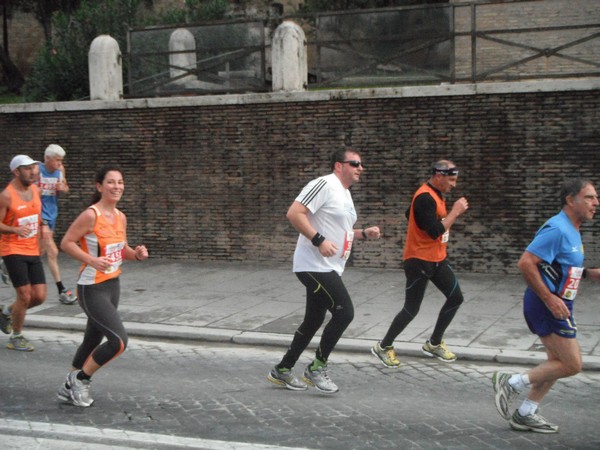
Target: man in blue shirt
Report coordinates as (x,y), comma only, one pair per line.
(552,266)
(53,183)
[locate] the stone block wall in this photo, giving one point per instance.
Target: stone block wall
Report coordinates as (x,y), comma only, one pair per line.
(211,178)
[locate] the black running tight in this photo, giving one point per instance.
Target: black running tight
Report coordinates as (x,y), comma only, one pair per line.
(100,302)
(325,291)
(418,273)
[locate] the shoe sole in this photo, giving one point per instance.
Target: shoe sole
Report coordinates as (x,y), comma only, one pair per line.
(70,401)
(284,384)
(433,355)
(501,401)
(27,349)
(382,361)
(68,302)
(74,402)
(80,405)
(519,427)
(323,391)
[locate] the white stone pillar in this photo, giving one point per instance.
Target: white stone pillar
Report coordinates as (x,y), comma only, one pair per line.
(289,58)
(106,69)
(182,40)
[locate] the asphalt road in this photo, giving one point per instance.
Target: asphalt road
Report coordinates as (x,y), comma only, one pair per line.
(167,394)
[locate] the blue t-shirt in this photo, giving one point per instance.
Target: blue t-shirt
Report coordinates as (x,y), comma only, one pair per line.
(558,244)
(47,184)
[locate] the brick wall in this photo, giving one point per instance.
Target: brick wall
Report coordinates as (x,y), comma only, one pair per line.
(211,178)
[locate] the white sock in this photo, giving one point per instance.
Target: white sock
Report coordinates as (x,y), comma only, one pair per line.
(519,382)
(5,310)
(528,407)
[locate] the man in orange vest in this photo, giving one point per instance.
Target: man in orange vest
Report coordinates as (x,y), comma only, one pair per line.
(425,259)
(20,218)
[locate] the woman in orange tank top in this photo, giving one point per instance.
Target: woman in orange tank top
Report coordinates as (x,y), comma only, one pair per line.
(98,238)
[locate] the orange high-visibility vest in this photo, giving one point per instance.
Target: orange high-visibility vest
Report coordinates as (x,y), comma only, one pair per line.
(418,243)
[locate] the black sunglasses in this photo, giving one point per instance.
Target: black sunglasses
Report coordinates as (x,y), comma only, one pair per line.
(353,163)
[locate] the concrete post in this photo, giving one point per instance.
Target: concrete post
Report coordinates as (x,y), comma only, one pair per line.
(182,40)
(288,58)
(106,69)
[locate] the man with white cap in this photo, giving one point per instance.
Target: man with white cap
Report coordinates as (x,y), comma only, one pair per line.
(20,218)
(52,184)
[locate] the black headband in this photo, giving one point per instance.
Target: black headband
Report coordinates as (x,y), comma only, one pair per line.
(450,171)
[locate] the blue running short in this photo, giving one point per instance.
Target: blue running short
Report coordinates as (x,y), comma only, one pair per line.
(541,321)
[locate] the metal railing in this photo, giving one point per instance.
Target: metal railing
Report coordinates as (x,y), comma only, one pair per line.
(227,57)
(427,44)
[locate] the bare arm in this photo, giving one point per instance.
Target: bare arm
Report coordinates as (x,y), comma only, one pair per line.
(593,274)
(83,225)
(528,265)
(370,233)
(7,229)
(62,187)
(298,216)
(459,207)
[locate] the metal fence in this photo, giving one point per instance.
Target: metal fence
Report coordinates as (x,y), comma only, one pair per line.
(429,44)
(228,57)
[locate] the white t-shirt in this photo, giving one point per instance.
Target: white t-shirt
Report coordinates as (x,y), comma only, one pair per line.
(333,215)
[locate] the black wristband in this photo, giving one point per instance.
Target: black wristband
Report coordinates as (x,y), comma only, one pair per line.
(317,239)
(364,234)
(584,273)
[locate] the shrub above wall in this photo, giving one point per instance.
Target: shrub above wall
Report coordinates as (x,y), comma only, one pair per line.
(211,178)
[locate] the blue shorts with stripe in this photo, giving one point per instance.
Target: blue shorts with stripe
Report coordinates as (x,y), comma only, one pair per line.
(541,321)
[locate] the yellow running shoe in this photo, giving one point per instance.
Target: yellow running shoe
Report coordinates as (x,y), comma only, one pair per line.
(439,351)
(387,355)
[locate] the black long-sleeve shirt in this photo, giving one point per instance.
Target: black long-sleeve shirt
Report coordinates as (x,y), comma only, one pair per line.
(426,217)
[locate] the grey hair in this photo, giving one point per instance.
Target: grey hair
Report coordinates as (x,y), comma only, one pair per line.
(54,150)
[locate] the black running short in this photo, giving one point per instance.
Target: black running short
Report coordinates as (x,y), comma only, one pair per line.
(24,270)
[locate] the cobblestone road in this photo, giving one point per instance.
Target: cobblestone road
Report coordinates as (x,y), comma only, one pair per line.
(219,392)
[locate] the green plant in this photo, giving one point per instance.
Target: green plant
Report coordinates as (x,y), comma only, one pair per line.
(61,69)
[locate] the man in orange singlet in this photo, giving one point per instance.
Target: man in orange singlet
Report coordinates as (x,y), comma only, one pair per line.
(20,218)
(425,260)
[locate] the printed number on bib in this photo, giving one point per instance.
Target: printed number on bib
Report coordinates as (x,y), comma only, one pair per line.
(569,292)
(114,253)
(32,223)
(445,236)
(347,245)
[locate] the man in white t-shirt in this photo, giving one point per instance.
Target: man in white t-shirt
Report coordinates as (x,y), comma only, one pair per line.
(324,215)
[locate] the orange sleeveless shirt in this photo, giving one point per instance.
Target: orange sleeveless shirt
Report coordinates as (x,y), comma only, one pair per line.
(19,213)
(418,243)
(106,239)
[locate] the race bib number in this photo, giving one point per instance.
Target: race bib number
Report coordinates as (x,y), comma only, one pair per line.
(114,253)
(347,245)
(569,292)
(445,236)
(32,223)
(48,186)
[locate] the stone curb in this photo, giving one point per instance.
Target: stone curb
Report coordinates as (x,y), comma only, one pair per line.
(241,337)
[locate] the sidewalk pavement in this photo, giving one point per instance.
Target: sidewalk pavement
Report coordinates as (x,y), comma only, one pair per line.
(257,304)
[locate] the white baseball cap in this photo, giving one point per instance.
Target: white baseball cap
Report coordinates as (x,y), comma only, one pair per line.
(21,160)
